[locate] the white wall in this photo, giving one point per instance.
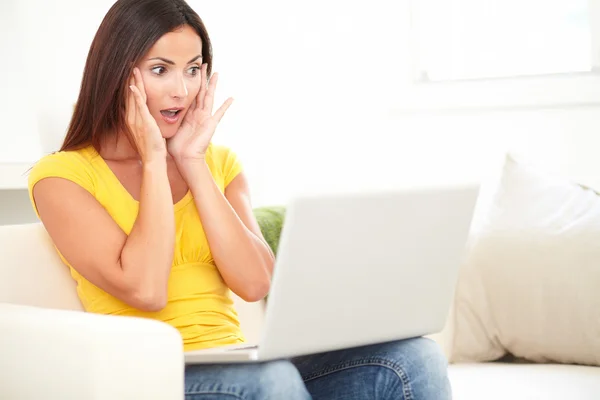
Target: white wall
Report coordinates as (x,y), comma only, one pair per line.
(314,83)
(18,130)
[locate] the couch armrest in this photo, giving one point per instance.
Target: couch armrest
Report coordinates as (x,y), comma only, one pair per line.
(58,354)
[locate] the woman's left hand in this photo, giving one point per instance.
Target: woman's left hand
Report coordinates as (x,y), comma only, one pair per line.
(198,127)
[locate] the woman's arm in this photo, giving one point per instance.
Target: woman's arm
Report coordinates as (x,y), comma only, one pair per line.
(134,268)
(147,256)
(241,254)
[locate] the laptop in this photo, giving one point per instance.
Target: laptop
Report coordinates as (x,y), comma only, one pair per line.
(356,269)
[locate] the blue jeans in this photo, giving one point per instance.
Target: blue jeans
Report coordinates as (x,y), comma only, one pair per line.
(411,369)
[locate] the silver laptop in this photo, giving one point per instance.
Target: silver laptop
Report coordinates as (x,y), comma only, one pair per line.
(356,269)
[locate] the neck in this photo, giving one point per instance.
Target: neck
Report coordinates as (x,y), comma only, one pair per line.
(119,148)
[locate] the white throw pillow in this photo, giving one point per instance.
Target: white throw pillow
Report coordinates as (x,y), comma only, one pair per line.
(530,284)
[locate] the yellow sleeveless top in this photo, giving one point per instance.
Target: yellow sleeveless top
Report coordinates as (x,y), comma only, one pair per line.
(199,303)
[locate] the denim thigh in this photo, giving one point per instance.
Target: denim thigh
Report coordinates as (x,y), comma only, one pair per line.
(269,380)
(412,369)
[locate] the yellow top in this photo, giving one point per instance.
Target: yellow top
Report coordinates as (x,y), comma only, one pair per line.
(199,303)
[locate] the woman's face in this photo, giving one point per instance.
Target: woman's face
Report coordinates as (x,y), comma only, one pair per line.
(171,72)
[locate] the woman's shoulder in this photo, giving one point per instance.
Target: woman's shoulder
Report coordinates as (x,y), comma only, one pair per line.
(219,151)
(84,154)
(75,165)
(223,161)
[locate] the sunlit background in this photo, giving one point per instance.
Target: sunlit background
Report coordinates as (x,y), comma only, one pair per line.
(336,95)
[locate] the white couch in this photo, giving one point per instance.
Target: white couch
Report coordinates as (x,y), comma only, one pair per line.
(50,349)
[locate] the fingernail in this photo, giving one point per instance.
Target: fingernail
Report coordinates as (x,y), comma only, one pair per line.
(131,87)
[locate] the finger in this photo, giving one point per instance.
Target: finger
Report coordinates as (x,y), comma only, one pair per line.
(139,82)
(130,107)
(221,111)
(143,113)
(136,95)
(210,93)
(190,114)
(203,84)
(135,112)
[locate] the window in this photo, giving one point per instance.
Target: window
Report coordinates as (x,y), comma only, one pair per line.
(505,52)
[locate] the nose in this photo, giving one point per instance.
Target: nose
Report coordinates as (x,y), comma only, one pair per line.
(178,87)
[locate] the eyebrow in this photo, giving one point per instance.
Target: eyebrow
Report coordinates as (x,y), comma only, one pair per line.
(171,62)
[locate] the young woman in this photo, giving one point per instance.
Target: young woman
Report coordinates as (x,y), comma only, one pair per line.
(155,221)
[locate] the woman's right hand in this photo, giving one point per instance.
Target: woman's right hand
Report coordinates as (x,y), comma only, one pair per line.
(146,134)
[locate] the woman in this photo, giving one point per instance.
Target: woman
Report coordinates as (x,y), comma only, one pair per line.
(155,221)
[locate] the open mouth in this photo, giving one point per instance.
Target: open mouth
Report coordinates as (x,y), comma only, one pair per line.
(170,113)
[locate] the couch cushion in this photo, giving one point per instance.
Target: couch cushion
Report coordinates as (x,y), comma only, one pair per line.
(31,271)
(270,219)
(501,381)
(529,284)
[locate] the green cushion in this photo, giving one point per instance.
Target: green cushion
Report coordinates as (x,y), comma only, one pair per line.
(270,219)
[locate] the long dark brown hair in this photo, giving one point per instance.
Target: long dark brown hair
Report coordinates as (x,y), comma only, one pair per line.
(128,31)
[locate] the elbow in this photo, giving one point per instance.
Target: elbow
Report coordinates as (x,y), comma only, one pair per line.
(153,305)
(149,301)
(144,292)
(255,292)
